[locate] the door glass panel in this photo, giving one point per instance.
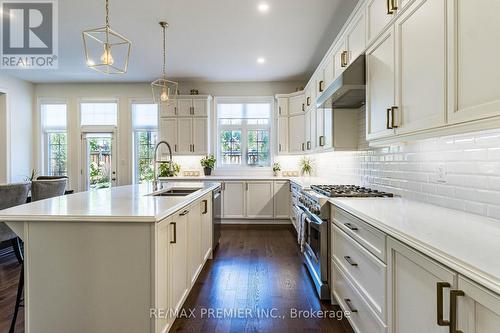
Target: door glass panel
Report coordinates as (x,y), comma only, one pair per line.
(99,161)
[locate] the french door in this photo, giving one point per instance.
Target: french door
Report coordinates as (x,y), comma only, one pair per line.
(98,160)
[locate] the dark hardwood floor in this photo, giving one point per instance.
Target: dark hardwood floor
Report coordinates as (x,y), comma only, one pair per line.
(254,272)
(9,278)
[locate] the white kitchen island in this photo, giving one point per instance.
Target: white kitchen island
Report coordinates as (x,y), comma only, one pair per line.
(112,260)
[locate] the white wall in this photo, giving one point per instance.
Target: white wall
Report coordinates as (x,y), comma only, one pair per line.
(125,93)
(17,140)
(3,139)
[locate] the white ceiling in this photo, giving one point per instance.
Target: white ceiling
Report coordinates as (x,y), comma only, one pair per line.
(208,40)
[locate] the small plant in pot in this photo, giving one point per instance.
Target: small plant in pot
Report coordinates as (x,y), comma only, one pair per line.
(208,163)
(276,169)
(306,166)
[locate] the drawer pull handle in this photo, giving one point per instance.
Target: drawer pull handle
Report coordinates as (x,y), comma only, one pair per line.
(174,232)
(349,305)
(440,319)
(453,310)
(350,227)
(349,260)
(184,213)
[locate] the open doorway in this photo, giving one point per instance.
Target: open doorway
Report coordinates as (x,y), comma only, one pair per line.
(4,139)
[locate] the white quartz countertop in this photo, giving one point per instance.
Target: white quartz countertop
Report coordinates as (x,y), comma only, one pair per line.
(119,204)
(466,243)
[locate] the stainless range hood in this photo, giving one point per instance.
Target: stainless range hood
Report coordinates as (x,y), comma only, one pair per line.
(348,90)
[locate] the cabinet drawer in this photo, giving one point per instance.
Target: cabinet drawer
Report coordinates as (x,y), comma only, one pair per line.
(369,237)
(365,270)
(362,319)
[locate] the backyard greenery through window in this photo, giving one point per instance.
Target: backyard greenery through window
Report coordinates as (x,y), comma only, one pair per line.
(145,127)
(55,152)
(244,132)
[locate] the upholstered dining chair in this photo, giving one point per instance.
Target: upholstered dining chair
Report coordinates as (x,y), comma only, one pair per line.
(49,188)
(12,195)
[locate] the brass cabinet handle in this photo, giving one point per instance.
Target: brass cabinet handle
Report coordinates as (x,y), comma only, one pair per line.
(184,213)
(393,116)
(394,5)
(349,261)
(205,209)
(193,148)
(439,288)
(175,110)
(279,147)
(308,101)
(175,233)
(388,119)
(321,86)
(321,141)
(308,145)
(453,310)
(303,146)
(349,226)
(303,107)
(175,147)
(246,184)
(389,7)
(343,59)
(279,110)
(349,305)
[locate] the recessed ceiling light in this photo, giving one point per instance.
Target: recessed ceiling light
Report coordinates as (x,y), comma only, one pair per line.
(263,7)
(261,60)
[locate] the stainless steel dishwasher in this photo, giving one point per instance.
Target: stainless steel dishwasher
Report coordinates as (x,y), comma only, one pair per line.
(217,217)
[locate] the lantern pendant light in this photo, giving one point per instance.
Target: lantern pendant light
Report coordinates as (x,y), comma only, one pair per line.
(162,88)
(106,51)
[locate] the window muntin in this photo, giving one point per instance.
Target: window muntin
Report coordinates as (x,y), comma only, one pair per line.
(55,139)
(145,132)
(244,132)
(99,113)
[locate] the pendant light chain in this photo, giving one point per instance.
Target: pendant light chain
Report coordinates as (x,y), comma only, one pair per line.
(164,52)
(107,14)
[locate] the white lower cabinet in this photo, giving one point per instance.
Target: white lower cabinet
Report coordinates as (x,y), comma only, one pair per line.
(281,199)
(264,200)
(413,295)
(478,309)
(259,197)
(182,244)
(233,200)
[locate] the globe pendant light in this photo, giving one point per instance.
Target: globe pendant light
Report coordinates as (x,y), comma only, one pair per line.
(164,89)
(106,51)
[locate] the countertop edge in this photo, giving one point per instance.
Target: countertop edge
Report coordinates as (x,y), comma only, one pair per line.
(456,264)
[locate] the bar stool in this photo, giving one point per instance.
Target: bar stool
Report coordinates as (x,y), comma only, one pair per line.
(40,189)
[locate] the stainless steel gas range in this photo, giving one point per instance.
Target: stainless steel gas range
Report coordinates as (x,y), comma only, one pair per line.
(313,204)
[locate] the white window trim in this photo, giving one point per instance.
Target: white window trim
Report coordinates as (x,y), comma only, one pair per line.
(218,128)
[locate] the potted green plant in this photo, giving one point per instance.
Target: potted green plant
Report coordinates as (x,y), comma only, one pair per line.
(276,169)
(165,171)
(306,166)
(208,163)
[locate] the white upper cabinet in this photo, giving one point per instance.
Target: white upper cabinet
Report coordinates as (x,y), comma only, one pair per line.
(356,37)
(259,199)
(296,104)
(168,131)
(282,106)
(297,134)
(307,128)
(168,108)
(184,107)
(340,55)
(328,71)
(380,86)
(474,73)
(421,66)
(199,108)
(185,135)
(200,136)
(378,14)
(312,130)
(282,134)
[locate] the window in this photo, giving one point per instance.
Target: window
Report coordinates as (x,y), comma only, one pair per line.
(145,131)
(100,113)
(55,152)
(244,131)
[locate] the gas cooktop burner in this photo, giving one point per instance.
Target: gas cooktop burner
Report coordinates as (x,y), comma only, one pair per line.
(348,191)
